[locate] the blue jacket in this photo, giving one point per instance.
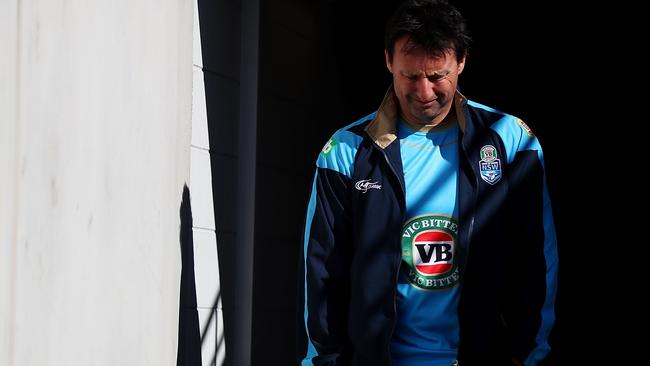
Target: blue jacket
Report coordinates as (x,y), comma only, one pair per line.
(352,251)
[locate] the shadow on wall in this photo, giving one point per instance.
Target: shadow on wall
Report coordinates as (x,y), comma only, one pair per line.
(189,331)
(189,338)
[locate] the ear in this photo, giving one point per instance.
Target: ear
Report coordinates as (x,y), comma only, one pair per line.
(389,65)
(461,64)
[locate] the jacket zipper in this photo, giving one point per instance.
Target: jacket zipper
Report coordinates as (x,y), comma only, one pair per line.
(476,181)
(399,261)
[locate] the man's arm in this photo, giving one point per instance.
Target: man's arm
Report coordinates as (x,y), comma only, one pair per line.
(530,312)
(324,293)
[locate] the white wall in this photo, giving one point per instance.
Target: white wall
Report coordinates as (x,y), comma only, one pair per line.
(206,260)
(95,122)
(7,168)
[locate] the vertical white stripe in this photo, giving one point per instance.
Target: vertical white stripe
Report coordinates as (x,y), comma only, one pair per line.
(206,261)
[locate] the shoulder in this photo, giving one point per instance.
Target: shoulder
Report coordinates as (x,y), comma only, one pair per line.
(340,150)
(514,132)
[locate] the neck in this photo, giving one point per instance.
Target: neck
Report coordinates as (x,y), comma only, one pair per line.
(436,124)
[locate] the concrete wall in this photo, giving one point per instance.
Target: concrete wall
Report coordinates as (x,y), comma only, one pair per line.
(95,121)
(209,302)
(8,11)
(220,26)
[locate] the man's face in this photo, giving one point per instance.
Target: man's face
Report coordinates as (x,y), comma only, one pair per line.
(424,84)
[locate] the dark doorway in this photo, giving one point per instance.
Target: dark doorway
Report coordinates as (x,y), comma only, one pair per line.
(321,67)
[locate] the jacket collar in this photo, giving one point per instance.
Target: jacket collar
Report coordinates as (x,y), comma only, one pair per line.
(383,128)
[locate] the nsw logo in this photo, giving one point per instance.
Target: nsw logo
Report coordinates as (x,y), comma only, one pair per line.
(366,184)
(490,165)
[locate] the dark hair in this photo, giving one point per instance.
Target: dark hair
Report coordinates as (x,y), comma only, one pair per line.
(432,25)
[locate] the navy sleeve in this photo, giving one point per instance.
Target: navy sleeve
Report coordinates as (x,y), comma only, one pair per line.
(324,294)
(530,311)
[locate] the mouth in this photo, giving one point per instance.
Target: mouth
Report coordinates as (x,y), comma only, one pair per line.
(425,104)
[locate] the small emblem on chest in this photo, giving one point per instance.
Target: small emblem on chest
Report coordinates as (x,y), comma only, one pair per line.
(366,184)
(490,165)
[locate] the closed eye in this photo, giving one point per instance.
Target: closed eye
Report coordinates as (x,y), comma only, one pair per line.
(436,77)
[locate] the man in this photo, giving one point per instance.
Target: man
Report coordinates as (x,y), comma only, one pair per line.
(429,238)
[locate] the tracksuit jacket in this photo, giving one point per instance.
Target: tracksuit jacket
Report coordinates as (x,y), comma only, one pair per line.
(352,245)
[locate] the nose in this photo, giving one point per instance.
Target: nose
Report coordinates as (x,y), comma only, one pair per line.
(424,90)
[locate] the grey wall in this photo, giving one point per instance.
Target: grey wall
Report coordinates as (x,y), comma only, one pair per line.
(220,65)
(95,119)
(208,305)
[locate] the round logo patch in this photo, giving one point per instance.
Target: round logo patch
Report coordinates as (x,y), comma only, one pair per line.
(525,127)
(429,249)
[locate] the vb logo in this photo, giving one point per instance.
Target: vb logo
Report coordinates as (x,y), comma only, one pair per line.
(429,248)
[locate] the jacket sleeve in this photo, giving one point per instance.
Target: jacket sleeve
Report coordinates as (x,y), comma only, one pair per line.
(325,260)
(530,311)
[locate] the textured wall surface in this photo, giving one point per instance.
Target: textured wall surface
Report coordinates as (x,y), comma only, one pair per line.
(95,123)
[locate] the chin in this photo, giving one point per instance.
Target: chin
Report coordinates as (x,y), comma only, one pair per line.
(426,118)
